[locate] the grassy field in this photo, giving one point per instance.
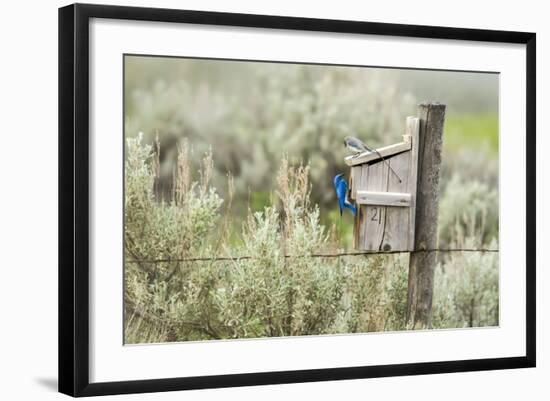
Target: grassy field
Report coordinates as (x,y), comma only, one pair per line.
(472,131)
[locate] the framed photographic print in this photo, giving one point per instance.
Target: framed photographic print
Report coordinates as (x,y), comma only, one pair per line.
(251,199)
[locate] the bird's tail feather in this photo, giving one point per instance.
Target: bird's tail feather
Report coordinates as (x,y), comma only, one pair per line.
(351,207)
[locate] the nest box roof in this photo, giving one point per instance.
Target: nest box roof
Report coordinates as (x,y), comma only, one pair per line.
(385,152)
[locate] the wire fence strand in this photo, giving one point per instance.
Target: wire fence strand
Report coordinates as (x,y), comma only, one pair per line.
(313,255)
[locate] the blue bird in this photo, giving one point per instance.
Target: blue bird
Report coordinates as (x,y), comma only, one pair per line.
(356,145)
(341,187)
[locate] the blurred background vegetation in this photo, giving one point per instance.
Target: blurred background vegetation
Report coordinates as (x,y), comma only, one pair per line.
(251,120)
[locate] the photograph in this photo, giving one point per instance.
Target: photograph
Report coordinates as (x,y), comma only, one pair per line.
(275,199)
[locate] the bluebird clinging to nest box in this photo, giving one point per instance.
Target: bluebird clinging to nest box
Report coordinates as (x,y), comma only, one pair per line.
(341,187)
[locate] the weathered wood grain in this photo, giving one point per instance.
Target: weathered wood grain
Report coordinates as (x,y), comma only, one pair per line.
(359,225)
(374,219)
(422,264)
(355,177)
(391,225)
(411,131)
(386,205)
(397,219)
(361,220)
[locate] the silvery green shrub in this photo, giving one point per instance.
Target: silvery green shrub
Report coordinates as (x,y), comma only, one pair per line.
(270,279)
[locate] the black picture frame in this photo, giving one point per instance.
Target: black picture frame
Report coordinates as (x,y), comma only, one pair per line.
(74,194)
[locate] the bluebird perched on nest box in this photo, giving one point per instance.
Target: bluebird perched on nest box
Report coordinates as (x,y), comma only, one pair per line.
(341,187)
(358,146)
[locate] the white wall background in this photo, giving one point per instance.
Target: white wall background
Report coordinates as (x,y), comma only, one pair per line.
(28,200)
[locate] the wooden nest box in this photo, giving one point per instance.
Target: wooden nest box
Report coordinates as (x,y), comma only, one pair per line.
(386,206)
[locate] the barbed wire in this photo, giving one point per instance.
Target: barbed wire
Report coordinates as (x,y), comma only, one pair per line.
(313,255)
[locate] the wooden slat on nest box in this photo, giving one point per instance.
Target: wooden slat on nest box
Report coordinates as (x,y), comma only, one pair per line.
(400,199)
(386,151)
(374,178)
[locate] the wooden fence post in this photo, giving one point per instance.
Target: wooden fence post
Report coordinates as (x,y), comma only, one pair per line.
(422,264)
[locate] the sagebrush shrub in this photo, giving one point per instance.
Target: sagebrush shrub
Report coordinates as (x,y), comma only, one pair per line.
(272,279)
(468,212)
(466,290)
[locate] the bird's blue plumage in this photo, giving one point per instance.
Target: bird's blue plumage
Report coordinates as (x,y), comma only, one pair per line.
(337,179)
(350,206)
(341,187)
